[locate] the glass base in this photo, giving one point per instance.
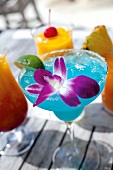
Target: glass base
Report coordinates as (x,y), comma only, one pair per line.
(110,112)
(65,158)
(16,142)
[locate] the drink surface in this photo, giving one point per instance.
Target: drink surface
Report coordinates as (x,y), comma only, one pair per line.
(76,64)
(13,105)
(62,41)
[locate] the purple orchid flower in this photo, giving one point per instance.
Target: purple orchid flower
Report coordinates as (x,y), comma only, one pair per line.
(67,89)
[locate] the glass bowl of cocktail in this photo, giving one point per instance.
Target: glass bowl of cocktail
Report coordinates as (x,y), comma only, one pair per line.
(71,80)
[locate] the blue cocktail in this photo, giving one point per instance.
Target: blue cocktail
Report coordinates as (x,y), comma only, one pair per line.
(72,80)
(78,63)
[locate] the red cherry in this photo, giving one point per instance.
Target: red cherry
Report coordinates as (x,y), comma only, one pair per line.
(50,32)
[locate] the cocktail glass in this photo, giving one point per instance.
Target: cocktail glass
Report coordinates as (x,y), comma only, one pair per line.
(79,64)
(62,41)
(14,139)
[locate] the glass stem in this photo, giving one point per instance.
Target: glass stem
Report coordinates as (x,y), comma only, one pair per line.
(70,128)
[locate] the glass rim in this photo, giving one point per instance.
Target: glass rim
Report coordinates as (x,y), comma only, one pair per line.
(93,54)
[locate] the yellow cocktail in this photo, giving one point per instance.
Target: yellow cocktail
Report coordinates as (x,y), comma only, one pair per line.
(63,40)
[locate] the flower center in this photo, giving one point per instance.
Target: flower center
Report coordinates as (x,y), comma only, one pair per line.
(54,82)
(57,85)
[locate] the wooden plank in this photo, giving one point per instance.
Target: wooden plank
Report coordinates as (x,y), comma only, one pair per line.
(42,152)
(14,163)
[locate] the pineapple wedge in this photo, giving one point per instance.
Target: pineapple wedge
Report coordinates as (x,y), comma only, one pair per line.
(98,41)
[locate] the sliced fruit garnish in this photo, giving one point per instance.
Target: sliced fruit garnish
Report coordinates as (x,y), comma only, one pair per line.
(29,61)
(98,41)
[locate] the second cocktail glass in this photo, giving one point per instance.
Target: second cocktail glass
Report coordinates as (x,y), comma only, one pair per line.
(14,139)
(72,80)
(63,39)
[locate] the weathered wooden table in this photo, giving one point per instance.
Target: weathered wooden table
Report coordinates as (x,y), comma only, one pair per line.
(49,132)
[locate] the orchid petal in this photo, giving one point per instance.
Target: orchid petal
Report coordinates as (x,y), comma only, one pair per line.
(60,67)
(34,88)
(46,92)
(40,74)
(69,97)
(83,86)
